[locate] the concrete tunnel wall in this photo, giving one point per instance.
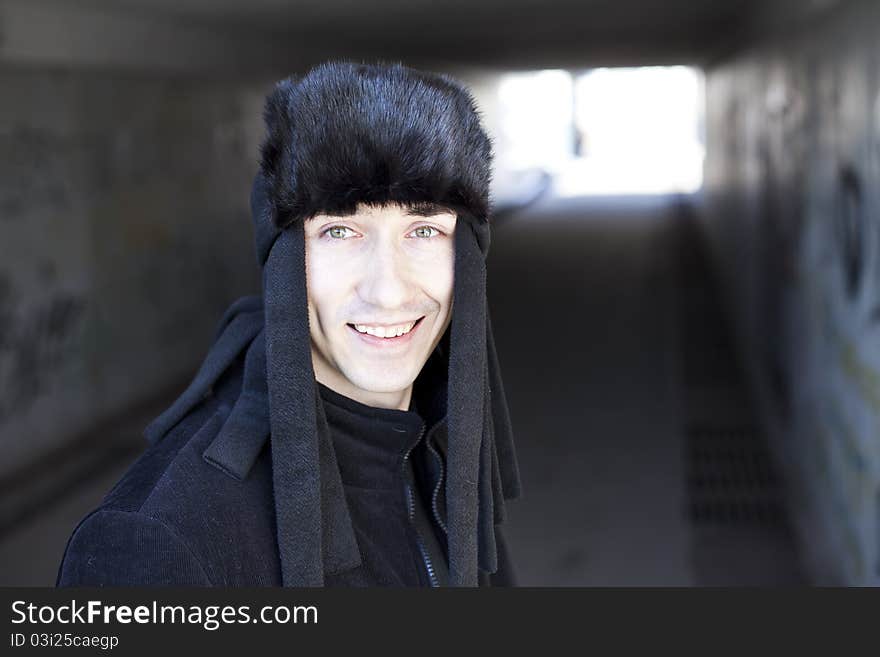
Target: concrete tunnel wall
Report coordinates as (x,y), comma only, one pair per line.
(124,233)
(792,212)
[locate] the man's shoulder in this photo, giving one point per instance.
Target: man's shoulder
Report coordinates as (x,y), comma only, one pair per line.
(173,472)
(197,461)
(174,501)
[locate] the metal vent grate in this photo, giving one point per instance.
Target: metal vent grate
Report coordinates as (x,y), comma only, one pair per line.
(731,479)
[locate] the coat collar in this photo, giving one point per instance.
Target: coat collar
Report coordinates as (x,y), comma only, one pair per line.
(245,432)
(243,436)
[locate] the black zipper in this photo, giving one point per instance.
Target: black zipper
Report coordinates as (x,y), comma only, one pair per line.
(434,509)
(429,567)
(410,496)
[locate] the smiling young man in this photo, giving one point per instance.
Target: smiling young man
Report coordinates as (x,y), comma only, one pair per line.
(349,426)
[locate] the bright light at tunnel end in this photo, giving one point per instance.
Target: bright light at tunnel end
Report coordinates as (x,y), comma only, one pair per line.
(606,131)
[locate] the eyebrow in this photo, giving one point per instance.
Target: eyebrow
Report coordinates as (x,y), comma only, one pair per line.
(415,209)
(426,209)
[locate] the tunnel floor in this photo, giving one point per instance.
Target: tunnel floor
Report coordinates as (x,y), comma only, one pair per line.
(641,459)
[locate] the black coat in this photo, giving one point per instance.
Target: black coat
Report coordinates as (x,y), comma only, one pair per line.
(197,509)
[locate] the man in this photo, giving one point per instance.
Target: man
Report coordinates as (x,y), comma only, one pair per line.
(348,427)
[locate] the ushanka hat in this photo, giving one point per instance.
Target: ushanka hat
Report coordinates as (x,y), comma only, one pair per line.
(341,135)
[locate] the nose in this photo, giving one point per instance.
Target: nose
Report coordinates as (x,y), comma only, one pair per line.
(385,283)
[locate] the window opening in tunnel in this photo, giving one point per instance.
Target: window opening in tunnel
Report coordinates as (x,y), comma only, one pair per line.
(604,131)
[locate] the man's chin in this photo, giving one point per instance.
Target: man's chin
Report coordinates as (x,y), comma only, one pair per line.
(380,381)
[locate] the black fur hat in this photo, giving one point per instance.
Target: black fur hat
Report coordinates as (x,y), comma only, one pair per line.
(348,134)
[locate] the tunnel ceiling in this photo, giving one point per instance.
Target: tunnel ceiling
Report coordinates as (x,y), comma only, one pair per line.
(507,33)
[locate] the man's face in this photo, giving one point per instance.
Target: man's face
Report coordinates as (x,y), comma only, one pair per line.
(375,274)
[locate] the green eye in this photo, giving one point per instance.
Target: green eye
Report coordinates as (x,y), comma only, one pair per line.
(336,232)
(420,231)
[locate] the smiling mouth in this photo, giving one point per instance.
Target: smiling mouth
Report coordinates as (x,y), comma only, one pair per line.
(377,333)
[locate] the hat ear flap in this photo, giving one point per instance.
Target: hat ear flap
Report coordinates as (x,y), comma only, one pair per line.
(293,421)
(263,212)
(465,404)
(313,524)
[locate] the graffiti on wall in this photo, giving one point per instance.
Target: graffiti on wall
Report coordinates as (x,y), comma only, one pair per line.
(783,157)
(798,170)
(35,344)
(850,229)
(31,171)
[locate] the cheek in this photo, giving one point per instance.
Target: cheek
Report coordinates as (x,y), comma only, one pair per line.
(437,277)
(324,283)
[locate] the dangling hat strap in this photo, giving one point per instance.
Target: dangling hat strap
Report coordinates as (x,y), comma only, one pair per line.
(315,532)
(292,401)
(465,406)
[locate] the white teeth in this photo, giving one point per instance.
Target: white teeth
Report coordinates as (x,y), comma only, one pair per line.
(385,332)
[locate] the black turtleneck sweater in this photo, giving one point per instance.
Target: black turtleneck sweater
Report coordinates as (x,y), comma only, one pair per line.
(392,466)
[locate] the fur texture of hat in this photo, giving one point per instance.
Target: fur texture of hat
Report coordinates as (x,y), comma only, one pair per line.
(349,133)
